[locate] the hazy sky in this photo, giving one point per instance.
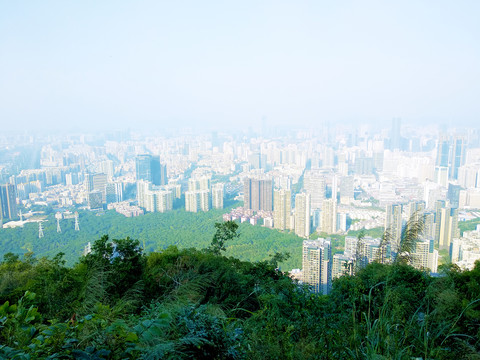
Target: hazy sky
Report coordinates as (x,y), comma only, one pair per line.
(75,64)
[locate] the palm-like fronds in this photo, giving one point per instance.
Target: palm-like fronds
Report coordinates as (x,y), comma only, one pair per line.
(411,233)
(94,290)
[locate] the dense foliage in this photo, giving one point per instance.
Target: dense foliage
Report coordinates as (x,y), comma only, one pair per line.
(119,303)
(156,231)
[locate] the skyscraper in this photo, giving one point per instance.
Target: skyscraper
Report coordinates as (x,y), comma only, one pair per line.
(415,209)
(97,182)
(199,183)
(302,215)
(217,195)
(258,194)
(429,226)
(443,151)
(94,199)
(439,205)
(328,222)
(448,227)
(8,202)
(346,190)
(395,136)
(393,224)
(282,208)
(424,256)
(154,198)
(149,168)
(314,184)
(114,192)
(106,167)
(197,200)
(458,156)
(317,265)
(453,194)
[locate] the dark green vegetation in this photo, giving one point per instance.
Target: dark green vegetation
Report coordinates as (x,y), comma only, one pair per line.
(156,231)
(120,303)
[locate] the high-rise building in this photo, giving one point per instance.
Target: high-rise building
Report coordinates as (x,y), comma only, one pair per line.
(149,168)
(282,207)
(317,265)
(443,151)
(257,161)
(199,183)
(154,198)
(439,205)
(71,178)
(395,135)
(217,195)
(415,210)
(424,256)
(328,223)
(364,165)
(314,184)
(302,215)
(458,156)
(258,194)
(448,227)
(163,199)
(342,265)
(106,167)
(97,182)
(378,157)
(453,194)
(393,224)
(143,167)
(429,226)
(197,200)
(8,202)
(334,187)
(114,192)
(367,250)
(94,199)
(346,190)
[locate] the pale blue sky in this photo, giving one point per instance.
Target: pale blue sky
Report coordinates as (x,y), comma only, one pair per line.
(171,63)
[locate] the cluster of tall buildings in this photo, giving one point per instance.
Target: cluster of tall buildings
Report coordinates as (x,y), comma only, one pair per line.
(8,202)
(303,212)
(197,198)
(154,198)
(320,267)
(451,155)
(102,190)
(466,249)
(156,194)
(440,225)
(202,195)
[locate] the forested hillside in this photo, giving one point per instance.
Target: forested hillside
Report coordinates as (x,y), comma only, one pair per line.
(156,231)
(120,303)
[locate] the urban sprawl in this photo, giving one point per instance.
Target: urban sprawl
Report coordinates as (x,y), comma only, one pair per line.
(314,183)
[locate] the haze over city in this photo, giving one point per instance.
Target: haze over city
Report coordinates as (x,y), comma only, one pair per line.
(214,65)
(239,180)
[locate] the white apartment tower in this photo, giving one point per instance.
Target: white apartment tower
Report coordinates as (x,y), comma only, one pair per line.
(317,265)
(302,215)
(314,184)
(217,195)
(282,208)
(328,222)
